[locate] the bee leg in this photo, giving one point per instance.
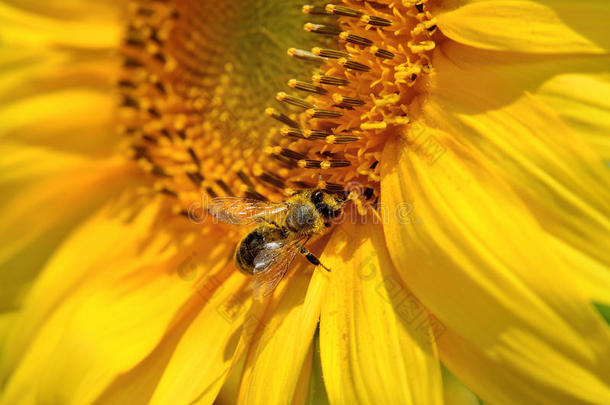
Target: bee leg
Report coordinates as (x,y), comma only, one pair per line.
(311,257)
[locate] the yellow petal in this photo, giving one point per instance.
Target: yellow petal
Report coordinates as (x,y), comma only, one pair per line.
(302,389)
(138,384)
(574,87)
(47,192)
(19,27)
(550,26)
(74,120)
(101,305)
(106,10)
(376,343)
(583,102)
(7,319)
(488,106)
(483,265)
(207,351)
(282,339)
(54,95)
(229,393)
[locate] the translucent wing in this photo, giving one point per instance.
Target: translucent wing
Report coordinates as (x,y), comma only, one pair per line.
(271,264)
(243,211)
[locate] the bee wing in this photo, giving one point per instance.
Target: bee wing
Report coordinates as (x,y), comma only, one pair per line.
(243,211)
(271,264)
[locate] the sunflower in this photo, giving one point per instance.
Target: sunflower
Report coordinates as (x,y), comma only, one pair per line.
(470,138)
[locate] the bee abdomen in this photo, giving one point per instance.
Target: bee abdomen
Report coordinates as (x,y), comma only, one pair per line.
(247,250)
(251,245)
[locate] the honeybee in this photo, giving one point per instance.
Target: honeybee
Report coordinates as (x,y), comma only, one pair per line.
(283,228)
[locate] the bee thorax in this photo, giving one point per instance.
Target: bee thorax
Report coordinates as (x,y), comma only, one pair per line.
(301,218)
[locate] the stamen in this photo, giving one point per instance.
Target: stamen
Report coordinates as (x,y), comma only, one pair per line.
(192,123)
(318,113)
(323,164)
(305,55)
(355,39)
(194,157)
(283,118)
(353,65)
(290,154)
(224,187)
(341,10)
(322,29)
(308,87)
(376,21)
(252,194)
(244,177)
(314,10)
(318,135)
(330,80)
(272,179)
(347,101)
(382,53)
(298,102)
(330,53)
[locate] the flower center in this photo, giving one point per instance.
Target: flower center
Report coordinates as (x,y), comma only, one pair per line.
(203,114)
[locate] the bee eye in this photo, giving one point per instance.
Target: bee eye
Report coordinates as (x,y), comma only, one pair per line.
(317,197)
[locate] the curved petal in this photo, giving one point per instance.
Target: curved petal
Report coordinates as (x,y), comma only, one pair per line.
(58,74)
(493,108)
(543,26)
(376,341)
(101,305)
(475,81)
(583,103)
(283,336)
(208,355)
(22,28)
(58,120)
(484,266)
(301,391)
(209,348)
(46,194)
